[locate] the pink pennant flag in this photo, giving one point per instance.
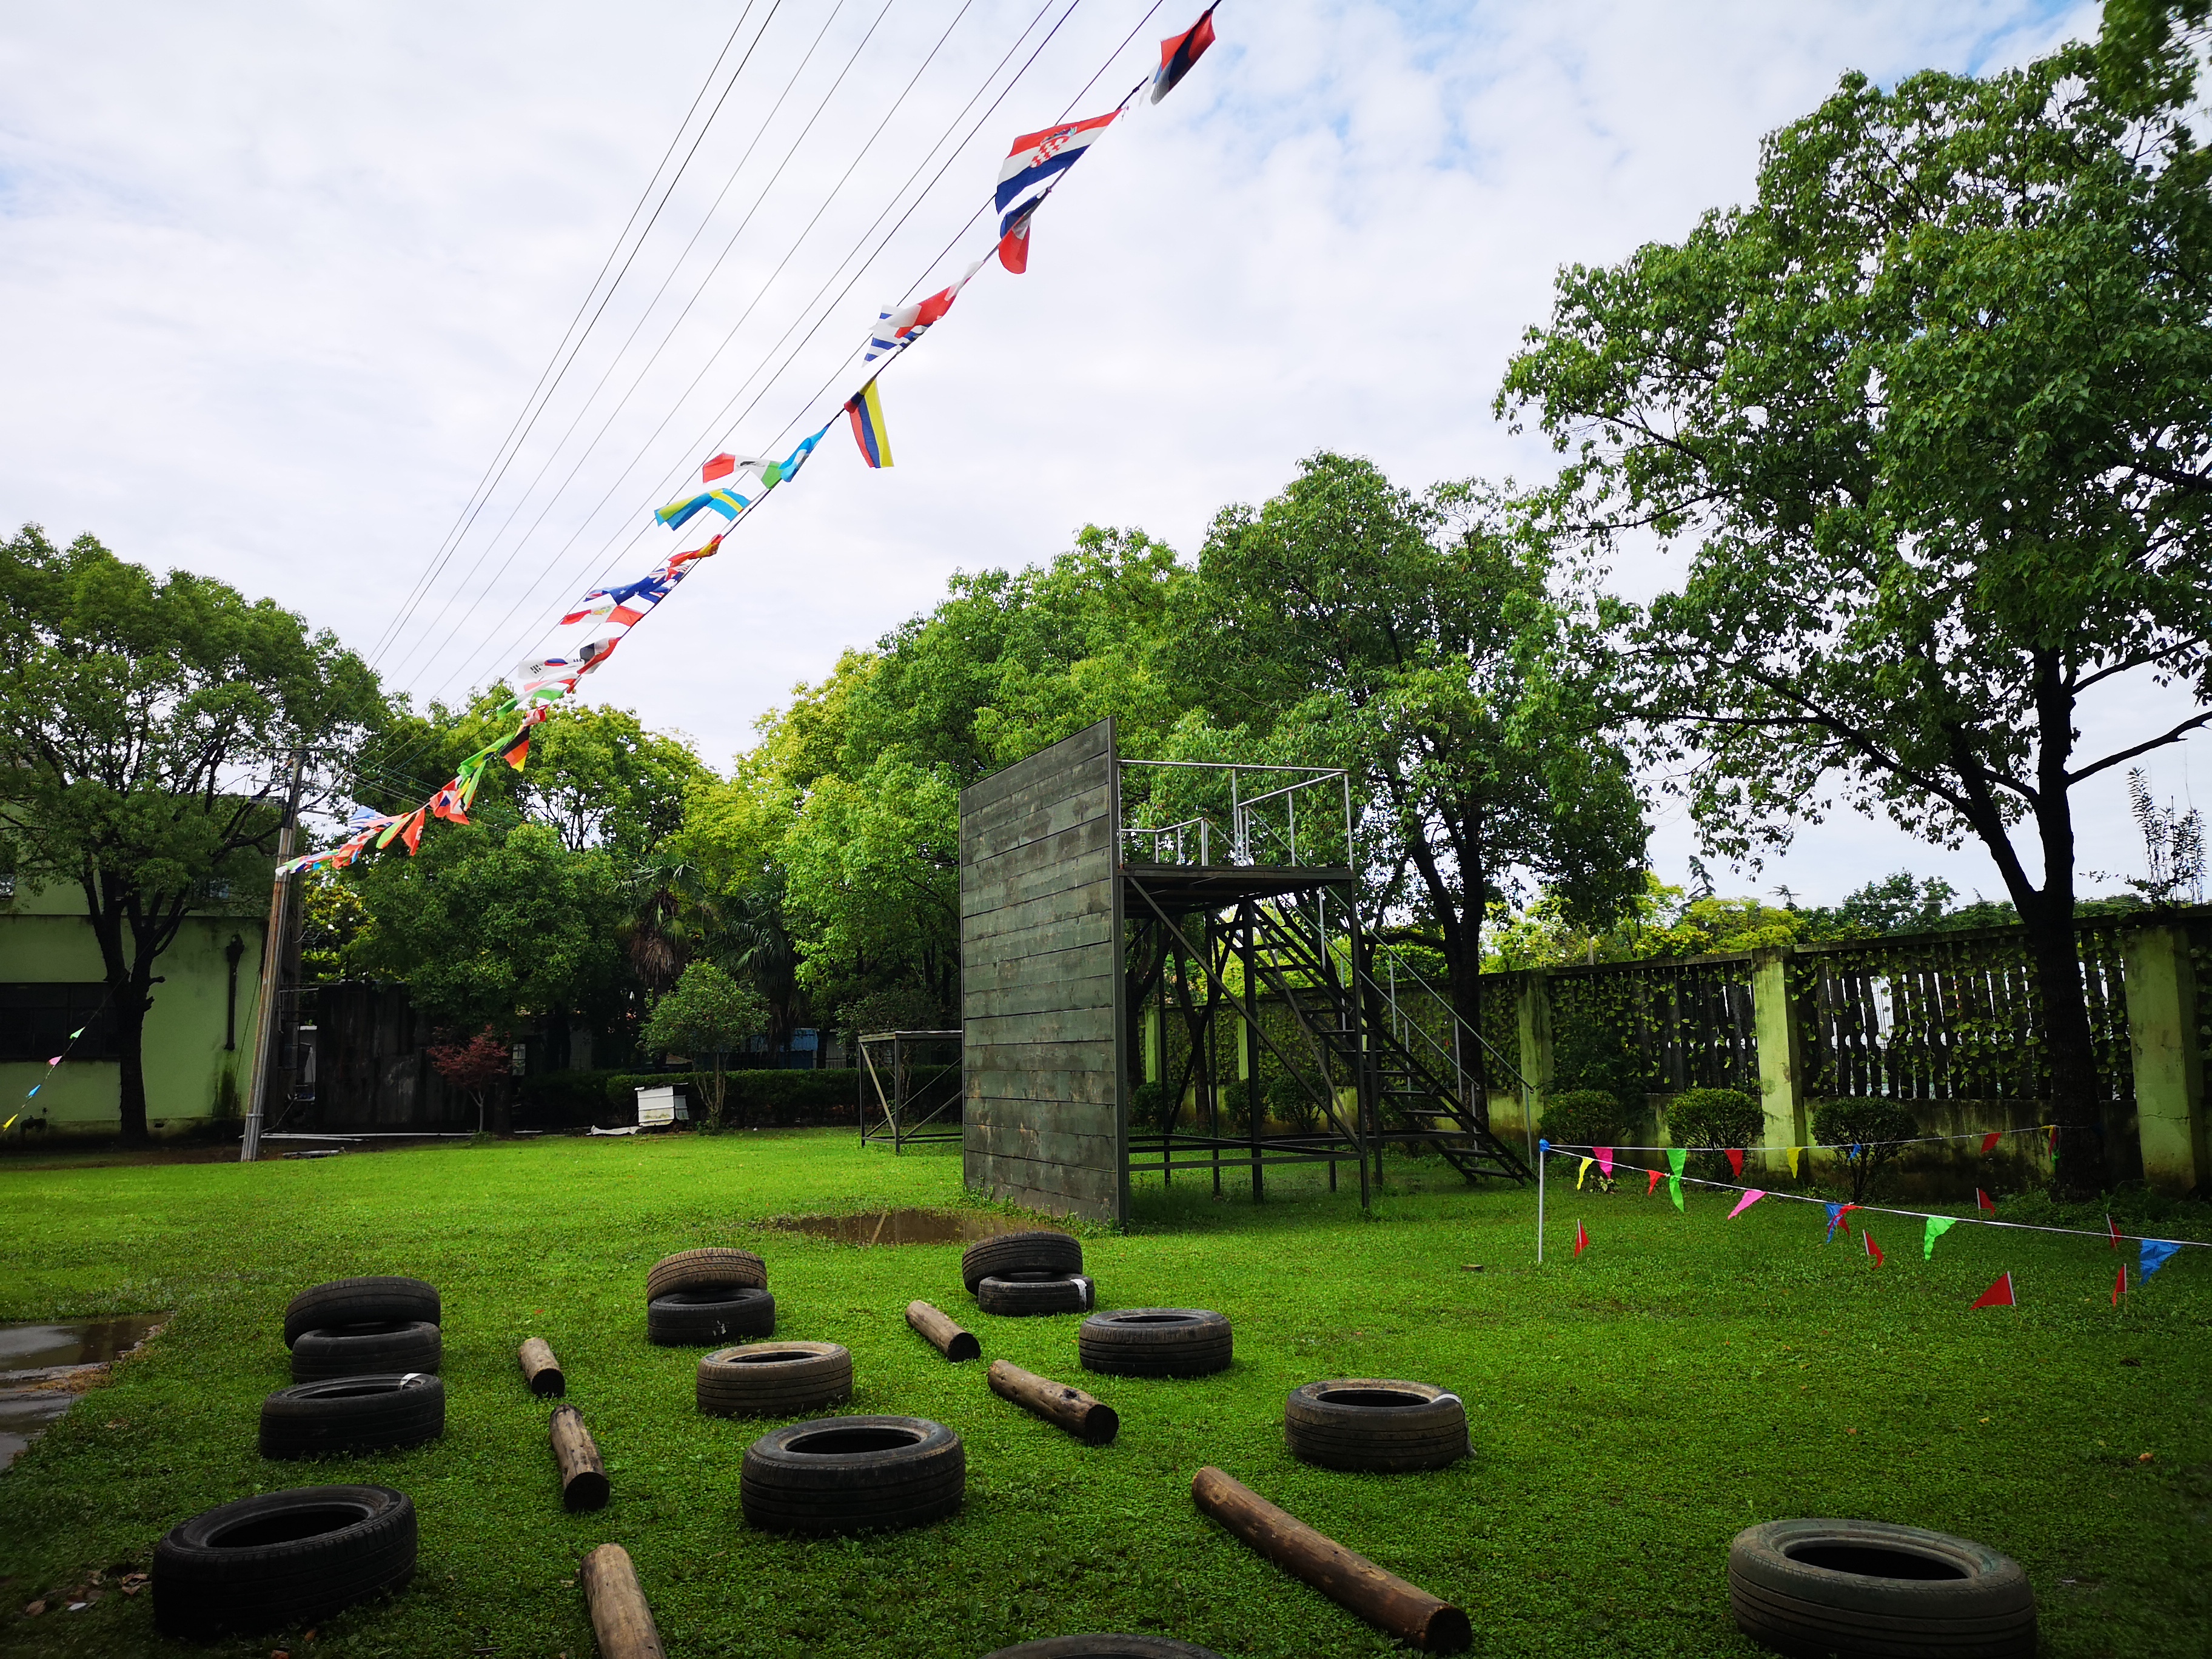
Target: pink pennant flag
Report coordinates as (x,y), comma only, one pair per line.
(56,1060)
(1990,1142)
(1998,1295)
(1736,1159)
(1604,1161)
(1654,1186)
(1745,1202)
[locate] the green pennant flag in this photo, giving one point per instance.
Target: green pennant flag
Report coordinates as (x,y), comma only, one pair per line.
(1676,1158)
(1937,1226)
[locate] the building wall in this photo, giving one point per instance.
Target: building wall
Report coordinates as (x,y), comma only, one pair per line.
(45,937)
(1045,1119)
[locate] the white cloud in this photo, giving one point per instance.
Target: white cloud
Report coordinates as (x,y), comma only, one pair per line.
(273,284)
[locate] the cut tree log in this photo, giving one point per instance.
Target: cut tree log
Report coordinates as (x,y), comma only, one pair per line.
(583,1477)
(937,1330)
(620,1620)
(1091,1421)
(1351,1580)
(540,1369)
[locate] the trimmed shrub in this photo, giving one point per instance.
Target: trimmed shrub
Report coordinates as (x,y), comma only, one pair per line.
(1715,1117)
(1584,1117)
(1289,1103)
(1148,1104)
(1866,1124)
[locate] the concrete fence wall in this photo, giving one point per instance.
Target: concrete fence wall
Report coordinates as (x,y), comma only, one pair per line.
(2154,1116)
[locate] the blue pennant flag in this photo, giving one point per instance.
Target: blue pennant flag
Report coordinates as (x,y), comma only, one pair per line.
(2156,1253)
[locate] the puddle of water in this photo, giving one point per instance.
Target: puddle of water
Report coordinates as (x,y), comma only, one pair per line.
(53,1350)
(910,1226)
(71,1342)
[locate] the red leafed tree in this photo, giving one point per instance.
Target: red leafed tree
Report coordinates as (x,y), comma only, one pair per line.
(476,1065)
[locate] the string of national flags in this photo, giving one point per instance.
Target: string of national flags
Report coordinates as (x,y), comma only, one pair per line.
(2151,1254)
(731,487)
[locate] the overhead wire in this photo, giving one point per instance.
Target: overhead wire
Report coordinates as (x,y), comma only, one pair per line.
(723,418)
(860,243)
(482,493)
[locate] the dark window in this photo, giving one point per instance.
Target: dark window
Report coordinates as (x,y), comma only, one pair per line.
(36,1020)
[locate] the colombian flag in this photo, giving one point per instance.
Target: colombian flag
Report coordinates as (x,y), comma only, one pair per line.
(865,410)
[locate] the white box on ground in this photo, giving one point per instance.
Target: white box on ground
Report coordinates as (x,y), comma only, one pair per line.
(664,1105)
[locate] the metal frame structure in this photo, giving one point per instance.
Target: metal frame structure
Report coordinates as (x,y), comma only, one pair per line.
(903,1115)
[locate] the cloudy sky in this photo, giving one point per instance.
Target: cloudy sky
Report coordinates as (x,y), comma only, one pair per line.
(277,282)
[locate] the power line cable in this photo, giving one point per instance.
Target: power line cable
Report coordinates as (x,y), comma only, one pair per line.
(483,492)
(775,174)
(723,416)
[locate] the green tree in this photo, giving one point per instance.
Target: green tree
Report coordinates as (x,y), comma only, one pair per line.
(707,1014)
(1934,415)
(1418,641)
(492,930)
(145,728)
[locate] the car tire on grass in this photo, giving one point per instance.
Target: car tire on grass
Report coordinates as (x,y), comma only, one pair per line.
(711,1269)
(282,1558)
(384,1300)
(774,1379)
(1104,1647)
(702,1319)
(1377,1424)
(1020,1294)
(366,1351)
(852,1473)
(1870,1590)
(350,1414)
(1155,1342)
(1060,1254)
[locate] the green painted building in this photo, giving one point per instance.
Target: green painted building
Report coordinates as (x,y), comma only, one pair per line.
(197,1032)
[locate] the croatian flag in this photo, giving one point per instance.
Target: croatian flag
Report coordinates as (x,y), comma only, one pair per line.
(897,328)
(1032,167)
(1178,52)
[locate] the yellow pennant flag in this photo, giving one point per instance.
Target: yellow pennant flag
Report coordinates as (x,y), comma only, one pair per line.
(1795,1153)
(1584,1171)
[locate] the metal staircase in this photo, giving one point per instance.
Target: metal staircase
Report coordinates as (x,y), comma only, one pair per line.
(1406,1096)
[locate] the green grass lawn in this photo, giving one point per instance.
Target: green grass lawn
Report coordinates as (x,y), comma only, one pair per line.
(1631,1411)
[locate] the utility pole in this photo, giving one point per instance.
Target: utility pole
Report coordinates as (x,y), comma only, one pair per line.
(272,964)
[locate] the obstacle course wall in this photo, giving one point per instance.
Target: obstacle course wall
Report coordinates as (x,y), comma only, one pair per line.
(1045,1115)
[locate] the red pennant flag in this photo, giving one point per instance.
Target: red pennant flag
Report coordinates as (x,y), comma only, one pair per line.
(1872,1249)
(412,831)
(1990,1142)
(1014,246)
(1982,1201)
(2120,1285)
(720,467)
(1736,1159)
(1581,1238)
(1654,1186)
(2112,1229)
(1998,1295)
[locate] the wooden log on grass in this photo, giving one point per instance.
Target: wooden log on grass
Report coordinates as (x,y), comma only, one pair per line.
(620,1620)
(1091,1421)
(540,1369)
(1351,1580)
(583,1477)
(941,1334)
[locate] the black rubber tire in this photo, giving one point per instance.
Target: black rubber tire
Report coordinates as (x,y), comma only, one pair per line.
(1377,1425)
(1020,1294)
(353,1414)
(711,1269)
(852,1473)
(707,1319)
(1104,1647)
(774,1379)
(383,1300)
(366,1351)
(1870,1590)
(1059,1254)
(282,1558)
(1155,1342)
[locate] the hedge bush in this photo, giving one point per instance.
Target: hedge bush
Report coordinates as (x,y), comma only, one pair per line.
(1584,1117)
(573,1100)
(1866,1124)
(1715,1117)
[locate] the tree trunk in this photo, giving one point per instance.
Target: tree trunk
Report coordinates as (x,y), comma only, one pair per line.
(129,1004)
(715,1109)
(2070,1052)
